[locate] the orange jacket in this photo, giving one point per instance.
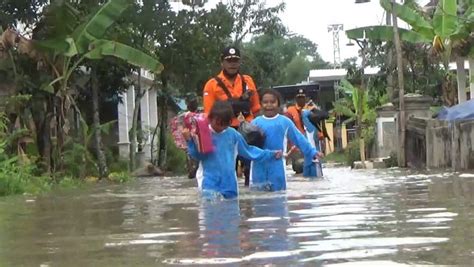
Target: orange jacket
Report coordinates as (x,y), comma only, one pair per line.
(213,92)
(294,112)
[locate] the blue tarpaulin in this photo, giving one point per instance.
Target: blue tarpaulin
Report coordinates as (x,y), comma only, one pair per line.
(463,111)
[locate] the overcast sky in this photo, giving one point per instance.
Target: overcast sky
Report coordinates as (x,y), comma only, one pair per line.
(311,18)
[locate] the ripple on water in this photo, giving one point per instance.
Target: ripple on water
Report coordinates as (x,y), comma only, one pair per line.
(341,244)
(201,261)
(351,254)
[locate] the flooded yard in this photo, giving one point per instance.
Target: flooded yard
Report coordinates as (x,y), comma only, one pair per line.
(349,218)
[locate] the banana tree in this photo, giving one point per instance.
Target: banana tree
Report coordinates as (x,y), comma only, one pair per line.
(449,34)
(354,105)
(65,50)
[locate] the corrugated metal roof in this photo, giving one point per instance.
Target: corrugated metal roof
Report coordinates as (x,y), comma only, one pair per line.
(336,74)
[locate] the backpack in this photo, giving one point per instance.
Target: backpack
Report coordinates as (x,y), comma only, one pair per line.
(252,134)
(241,104)
(318,118)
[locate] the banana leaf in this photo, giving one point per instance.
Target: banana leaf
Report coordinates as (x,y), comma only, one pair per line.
(96,27)
(342,108)
(410,16)
(445,20)
(385,33)
(102,48)
(64,46)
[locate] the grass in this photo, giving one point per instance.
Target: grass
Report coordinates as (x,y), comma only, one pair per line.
(336,157)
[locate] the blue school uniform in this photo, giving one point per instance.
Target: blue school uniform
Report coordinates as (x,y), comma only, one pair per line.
(216,171)
(270,175)
(310,167)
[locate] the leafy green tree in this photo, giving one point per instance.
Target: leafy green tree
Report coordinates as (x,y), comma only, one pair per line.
(63,50)
(447,31)
(355,106)
(253,17)
(281,60)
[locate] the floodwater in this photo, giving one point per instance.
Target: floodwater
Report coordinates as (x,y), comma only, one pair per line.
(349,218)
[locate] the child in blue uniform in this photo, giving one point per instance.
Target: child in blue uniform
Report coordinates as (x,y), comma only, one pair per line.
(270,175)
(216,174)
(311,168)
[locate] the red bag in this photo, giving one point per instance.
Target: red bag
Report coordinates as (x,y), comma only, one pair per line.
(199,124)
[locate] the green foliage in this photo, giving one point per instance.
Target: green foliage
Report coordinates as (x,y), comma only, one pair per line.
(385,33)
(445,21)
(175,157)
(103,48)
(117,165)
(17,178)
(254,17)
(120,177)
(392,161)
(95,28)
(354,104)
(14,12)
(275,60)
(352,152)
(337,157)
(78,161)
(410,14)
(78,158)
(69,182)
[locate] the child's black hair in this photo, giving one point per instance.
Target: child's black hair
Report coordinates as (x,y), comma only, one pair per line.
(272,92)
(222,111)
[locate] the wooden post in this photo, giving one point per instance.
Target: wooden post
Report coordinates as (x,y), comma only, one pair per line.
(461,79)
(401,91)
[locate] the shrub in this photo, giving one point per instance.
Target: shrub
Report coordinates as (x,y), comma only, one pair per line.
(18,178)
(120,177)
(175,157)
(352,152)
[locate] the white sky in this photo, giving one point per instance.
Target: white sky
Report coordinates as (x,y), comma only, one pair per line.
(311,18)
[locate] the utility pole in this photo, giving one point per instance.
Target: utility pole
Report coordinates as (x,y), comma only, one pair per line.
(401,91)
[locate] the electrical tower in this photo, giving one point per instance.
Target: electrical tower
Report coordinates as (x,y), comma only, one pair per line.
(335,29)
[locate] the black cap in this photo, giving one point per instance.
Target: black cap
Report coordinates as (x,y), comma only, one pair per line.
(230,52)
(300,93)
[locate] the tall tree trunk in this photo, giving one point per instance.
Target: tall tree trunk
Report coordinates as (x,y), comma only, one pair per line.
(360,106)
(471,77)
(101,159)
(42,115)
(461,79)
(133,131)
(401,89)
(163,122)
(163,131)
(390,91)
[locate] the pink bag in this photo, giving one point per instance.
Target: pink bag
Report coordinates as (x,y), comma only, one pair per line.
(199,124)
(176,125)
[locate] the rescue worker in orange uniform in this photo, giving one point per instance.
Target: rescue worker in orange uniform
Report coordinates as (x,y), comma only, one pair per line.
(295,113)
(230,84)
(240,90)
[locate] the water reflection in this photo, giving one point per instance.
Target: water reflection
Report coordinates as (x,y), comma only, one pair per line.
(219,228)
(268,226)
(351,218)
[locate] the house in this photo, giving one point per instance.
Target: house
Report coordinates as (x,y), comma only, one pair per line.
(148,116)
